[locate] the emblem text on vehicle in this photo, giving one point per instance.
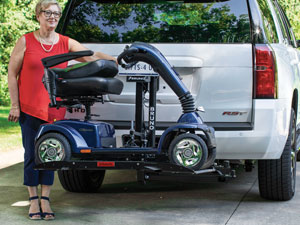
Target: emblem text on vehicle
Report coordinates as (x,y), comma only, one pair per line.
(234,113)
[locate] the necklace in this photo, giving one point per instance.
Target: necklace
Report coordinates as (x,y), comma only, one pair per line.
(46,50)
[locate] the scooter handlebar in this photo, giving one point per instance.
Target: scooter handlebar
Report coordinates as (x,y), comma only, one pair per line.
(127,56)
(142,52)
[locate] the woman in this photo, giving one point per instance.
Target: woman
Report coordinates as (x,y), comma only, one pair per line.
(29,99)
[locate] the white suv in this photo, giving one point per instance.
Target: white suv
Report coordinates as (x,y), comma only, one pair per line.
(238,58)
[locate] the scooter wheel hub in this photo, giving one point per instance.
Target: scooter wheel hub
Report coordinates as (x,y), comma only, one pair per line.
(51,152)
(188,152)
(51,149)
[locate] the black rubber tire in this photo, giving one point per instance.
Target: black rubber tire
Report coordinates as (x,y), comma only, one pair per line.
(212,153)
(277,178)
(189,136)
(65,143)
(83,181)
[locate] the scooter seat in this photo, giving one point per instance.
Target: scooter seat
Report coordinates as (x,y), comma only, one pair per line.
(88,86)
(98,68)
(87,79)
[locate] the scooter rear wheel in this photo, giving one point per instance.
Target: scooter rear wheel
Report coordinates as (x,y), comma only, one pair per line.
(188,150)
(52,147)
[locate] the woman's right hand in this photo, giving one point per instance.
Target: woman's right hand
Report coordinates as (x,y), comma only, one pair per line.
(14,114)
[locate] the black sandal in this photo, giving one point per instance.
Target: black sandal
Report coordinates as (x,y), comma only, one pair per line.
(31,215)
(44,214)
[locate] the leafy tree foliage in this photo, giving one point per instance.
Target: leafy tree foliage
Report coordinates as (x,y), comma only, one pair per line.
(17,17)
(292,10)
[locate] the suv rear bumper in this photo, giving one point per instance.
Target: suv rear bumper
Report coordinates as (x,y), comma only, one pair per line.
(263,139)
(267,138)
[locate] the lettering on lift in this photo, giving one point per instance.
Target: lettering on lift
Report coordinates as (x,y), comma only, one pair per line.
(151,118)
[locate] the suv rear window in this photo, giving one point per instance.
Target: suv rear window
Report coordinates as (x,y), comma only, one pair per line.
(96,21)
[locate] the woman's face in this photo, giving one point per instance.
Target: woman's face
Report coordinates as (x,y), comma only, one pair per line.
(49,17)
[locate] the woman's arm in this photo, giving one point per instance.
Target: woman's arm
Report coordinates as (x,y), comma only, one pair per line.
(14,67)
(75,46)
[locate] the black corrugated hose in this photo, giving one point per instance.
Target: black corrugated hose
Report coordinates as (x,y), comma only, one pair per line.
(187,103)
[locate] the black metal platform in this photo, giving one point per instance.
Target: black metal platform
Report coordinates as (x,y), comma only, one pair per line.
(146,171)
(118,165)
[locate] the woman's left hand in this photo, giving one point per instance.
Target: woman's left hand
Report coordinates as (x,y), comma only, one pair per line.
(75,46)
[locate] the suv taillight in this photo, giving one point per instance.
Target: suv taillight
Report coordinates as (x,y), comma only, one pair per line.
(265,72)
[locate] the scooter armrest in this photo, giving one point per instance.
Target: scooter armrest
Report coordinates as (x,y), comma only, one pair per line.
(58,59)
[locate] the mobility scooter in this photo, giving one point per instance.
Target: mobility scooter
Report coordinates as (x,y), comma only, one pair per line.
(81,150)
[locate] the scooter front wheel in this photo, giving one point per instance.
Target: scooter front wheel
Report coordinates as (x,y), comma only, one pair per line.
(188,150)
(52,147)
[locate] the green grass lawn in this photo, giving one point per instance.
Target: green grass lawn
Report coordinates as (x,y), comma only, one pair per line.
(10,132)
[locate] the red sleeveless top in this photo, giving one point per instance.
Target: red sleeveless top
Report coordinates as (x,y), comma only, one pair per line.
(33,96)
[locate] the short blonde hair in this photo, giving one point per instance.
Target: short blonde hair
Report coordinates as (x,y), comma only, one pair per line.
(43,4)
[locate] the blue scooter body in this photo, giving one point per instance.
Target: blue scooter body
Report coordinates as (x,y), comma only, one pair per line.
(99,137)
(82,135)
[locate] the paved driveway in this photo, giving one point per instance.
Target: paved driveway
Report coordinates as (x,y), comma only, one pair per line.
(125,202)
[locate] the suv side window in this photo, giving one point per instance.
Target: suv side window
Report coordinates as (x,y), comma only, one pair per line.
(282,24)
(268,22)
(200,21)
(287,26)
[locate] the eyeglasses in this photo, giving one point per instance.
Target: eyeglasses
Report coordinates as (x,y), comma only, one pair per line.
(49,13)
